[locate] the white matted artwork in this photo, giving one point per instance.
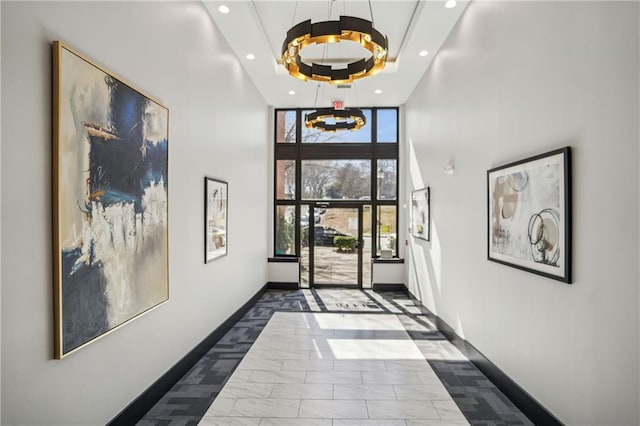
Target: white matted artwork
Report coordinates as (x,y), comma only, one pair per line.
(215,245)
(420,213)
(529,212)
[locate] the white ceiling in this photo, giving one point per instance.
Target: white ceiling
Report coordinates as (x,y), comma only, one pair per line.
(260,26)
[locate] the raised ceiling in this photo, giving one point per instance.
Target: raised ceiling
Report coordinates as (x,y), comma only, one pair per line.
(259,27)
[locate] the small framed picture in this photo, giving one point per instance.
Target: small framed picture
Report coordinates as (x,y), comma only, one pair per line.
(215,214)
(420,214)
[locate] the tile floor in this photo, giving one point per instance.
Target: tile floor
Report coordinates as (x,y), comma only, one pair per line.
(334,358)
(350,368)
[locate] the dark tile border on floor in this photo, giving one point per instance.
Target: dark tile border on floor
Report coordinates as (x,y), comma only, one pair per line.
(145,401)
(516,394)
(480,401)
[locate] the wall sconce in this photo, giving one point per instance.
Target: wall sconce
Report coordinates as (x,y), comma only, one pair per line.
(449,169)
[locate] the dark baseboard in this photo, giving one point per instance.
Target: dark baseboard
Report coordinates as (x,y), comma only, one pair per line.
(287,259)
(389,287)
(391,260)
(516,394)
(145,401)
(281,286)
(343,286)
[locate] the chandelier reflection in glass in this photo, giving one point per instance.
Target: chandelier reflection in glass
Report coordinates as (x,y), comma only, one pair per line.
(344,119)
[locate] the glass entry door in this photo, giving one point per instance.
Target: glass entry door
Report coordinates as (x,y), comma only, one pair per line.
(334,238)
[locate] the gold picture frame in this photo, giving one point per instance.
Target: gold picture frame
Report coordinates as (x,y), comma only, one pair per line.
(110,201)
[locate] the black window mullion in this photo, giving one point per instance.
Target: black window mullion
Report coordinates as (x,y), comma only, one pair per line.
(373,152)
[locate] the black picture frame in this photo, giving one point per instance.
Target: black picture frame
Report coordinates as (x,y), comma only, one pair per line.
(421,213)
(529,214)
(216,207)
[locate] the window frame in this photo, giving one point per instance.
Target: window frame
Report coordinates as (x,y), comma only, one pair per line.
(299,151)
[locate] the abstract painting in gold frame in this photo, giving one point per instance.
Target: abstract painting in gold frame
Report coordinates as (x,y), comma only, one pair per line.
(110,163)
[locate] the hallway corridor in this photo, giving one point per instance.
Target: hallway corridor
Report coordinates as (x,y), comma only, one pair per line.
(334,358)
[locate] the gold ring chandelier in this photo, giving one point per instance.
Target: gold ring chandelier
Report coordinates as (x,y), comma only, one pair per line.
(348,28)
(346,119)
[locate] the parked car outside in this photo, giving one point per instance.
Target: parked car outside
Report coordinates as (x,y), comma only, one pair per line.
(323,235)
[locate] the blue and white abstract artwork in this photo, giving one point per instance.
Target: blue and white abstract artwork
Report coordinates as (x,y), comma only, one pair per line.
(110,201)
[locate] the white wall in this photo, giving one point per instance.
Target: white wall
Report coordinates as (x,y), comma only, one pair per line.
(388,273)
(218,127)
(516,79)
(0,240)
(280,272)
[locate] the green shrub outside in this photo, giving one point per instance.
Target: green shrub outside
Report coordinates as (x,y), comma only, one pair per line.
(345,243)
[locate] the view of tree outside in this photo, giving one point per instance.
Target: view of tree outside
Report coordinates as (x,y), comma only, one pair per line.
(336,179)
(387,178)
(286,126)
(285,179)
(285,229)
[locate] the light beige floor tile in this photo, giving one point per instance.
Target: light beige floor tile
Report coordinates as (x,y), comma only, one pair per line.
(239,376)
(448,410)
(265,408)
(435,350)
(308,365)
(391,377)
(272,344)
(363,392)
(359,322)
(317,343)
(221,407)
(296,422)
(229,421)
(368,422)
(435,392)
(285,354)
(344,409)
(260,364)
(374,349)
(401,410)
(358,365)
(246,390)
(302,391)
(260,376)
(313,332)
(355,334)
(334,377)
(408,365)
(437,422)
(428,378)
(320,354)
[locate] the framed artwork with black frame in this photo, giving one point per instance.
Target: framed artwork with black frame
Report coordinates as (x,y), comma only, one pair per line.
(529,214)
(215,222)
(421,214)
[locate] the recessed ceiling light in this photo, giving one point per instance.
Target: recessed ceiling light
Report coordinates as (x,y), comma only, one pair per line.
(250,56)
(450,4)
(423,53)
(377,91)
(223,9)
(292,92)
